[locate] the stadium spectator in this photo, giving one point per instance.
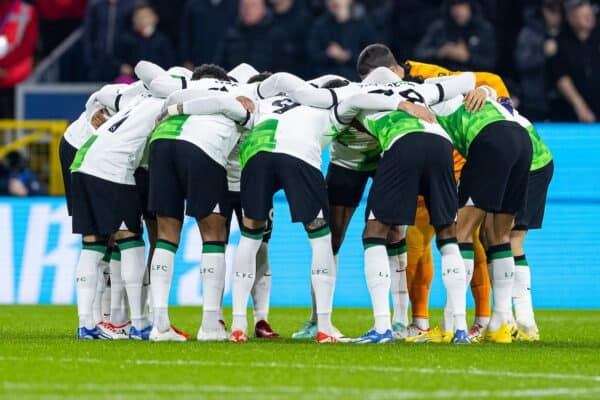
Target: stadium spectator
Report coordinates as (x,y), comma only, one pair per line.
(58,18)
(170,15)
(202,26)
(336,39)
(106,21)
(18,35)
(17,179)
(537,43)
(460,40)
(145,43)
(292,17)
(254,39)
(576,67)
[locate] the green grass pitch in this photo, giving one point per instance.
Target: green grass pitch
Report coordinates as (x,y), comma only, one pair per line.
(41,359)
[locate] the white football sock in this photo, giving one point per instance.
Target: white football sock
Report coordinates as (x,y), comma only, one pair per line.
(503,270)
(468,255)
(398,260)
(421,323)
(106,294)
(86,280)
(322,276)
(377,273)
(118,315)
(161,274)
(454,279)
(261,291)
(522,293)
(146,295)
(100,288)
(244,271)
(212,271)
(133,268)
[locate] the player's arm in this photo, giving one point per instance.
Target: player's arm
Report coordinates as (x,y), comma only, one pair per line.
(226,105)
(281,82)
(165,84)
(147,71)
(440,89)
(183,95)
(347,110)
(321,80)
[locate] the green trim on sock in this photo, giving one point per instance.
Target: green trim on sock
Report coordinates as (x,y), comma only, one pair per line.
(115,255)
(166,246)
(131,244)
(397,251)
(107,256)
(522,263)
(254,236)
(468,254)
(324,231)
(501,254)
(94,247)
(367,246)
(213,248)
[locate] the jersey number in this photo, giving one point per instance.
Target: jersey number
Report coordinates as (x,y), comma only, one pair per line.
(410,94)
(284,105)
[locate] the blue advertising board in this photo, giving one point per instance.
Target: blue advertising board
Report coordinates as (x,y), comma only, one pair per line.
(38,253)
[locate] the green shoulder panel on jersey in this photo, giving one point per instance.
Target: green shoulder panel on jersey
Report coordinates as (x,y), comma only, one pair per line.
(541,153)
(261,138)
(392,125)
(80,155)
(463,126)
(170,128)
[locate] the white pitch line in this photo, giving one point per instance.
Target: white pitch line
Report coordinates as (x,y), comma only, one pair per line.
(336,367)
(133,390)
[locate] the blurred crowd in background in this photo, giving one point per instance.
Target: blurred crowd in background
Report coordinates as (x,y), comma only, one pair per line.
(548,51)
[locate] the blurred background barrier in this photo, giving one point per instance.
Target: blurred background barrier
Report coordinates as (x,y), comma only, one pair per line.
(38,253)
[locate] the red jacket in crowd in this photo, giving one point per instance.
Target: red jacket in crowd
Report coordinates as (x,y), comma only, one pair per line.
(18,31)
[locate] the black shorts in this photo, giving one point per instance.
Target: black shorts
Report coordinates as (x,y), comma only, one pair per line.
(142,183)
(416,164)
(181,171)
(345,187)
(234,205)
(304,187)
(531,215)
(101,207)
(66,153)
(496,173)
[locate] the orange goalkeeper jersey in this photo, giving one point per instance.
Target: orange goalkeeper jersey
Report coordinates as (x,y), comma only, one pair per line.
(426,71)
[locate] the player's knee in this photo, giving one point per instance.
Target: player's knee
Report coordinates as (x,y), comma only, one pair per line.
(376,229)
(445,232)
(316,225)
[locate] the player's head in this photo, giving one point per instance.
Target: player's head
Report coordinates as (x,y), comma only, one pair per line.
(210,71)
(374,56)
(144,19)
(260,77)
(335,83)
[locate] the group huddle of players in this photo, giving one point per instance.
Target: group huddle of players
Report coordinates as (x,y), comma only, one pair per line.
(447,153)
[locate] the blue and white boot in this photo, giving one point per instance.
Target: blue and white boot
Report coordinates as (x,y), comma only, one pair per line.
(143,334)
(374,337)
(461,337)
(84,333)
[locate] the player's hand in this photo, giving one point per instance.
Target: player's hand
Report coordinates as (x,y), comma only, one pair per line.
(417,111)
(584,114)
(99,118)
(475,100)
(246,103)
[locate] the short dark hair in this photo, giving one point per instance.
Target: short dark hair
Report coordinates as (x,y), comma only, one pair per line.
(142,5)
(374,56)
(210,71)
(335,83)
(260,77)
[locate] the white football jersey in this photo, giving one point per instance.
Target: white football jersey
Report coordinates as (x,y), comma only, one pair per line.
(116,149)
